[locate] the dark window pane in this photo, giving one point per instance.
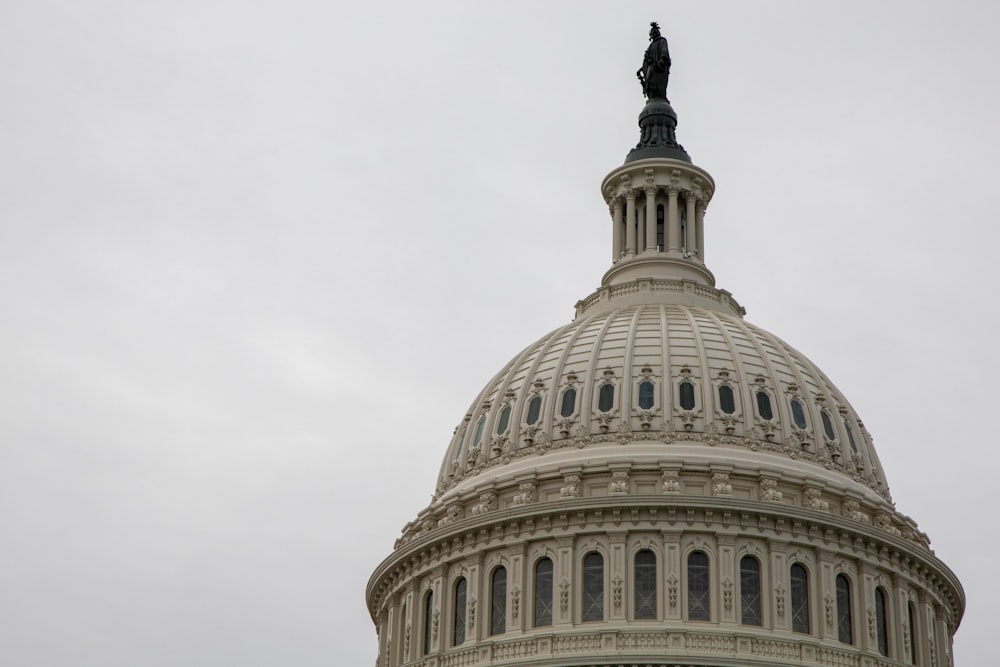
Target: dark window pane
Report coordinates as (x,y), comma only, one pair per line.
(646,395)
(845,628)
(911,615)
(593,587)
(606,401)
(698,601)
(645,584)
(749,591)
(568,402)
(534,409)
(479,432)
(827,426)
(687,396)
(727,402)
(498,609)
(504,420)
(850,437)
(800,599)
(881,625)
(543,593)
(459,612)
(659,226)
(764,406)
(798,414)
(428,622)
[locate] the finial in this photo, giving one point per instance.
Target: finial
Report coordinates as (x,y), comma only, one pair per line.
(655,70)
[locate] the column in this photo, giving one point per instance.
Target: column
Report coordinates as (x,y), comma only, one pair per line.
(630,222)
(618,228)
(700,227)
(689,242)
(650,217)
(673,222)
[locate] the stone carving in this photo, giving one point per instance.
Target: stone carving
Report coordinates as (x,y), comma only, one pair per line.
(906,638)
(814,502)
(721,485)
(779,599)
(932,651)
(884,521)
(604,421)
(571,488)
(526,495)
(471,615)
(487,502)
(645,419)
(727,593)
(828,606)
(564,595)
(852,511)
(515,602)
(670,482)
(453,514)
(769,491)
(619,482)
(565,427)
(406,640)
(616,591)
(435,622)
(871,621)
(672,582)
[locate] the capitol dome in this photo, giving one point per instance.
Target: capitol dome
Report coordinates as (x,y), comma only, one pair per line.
(660,482)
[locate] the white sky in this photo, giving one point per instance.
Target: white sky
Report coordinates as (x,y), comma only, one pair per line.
(256,260)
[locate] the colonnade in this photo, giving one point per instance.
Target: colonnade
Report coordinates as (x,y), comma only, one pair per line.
(657,219)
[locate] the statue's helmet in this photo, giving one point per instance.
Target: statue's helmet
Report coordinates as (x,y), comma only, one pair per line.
(654,30)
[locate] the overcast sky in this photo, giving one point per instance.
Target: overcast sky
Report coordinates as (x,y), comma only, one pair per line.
(257,259)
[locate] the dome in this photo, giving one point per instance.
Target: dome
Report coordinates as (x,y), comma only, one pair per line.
(665,384)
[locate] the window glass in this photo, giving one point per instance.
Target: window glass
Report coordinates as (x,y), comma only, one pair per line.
(698,602)
(543,593)
(534,409)
(568,403)
(764,406)
(687,396)
(646,395)
(800,599)
(479,432)
(606,399)
(504,420)
(881,625)
(498,609)
(459,612)
(850,437)
(645,584)
(798,414)
(727,402)
(659,226)
(911,614)
(749,591)
(593,587)
(827,426)
(428,621)
(845,628)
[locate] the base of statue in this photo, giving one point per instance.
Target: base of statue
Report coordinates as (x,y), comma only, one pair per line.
(657,126)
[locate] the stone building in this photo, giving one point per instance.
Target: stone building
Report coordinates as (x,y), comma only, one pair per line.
(660,482)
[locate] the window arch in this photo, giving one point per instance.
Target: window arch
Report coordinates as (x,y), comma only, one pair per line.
(498,599)
(647,395)
(534,409)
(593,587)
(798,414)
(459,612)
(504,420)
(699,607)
(645,584)
(845,625)
(800,598)
(686,395)
(727,400)
(827,425)
(750,591)
(568,403)
(881,622)
(428,621)
(764,405)
(606,397)
(543,592)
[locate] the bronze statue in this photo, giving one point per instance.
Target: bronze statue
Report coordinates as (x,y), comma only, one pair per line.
(655,70)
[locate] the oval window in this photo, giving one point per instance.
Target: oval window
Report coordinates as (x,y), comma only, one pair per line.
(646,395)
(798,414)
(850,437)
(764,406)
(687,396)
(827,426)
(606,400)
(568,403)
(534,409)
(479,432)
(727,402)
(504,420)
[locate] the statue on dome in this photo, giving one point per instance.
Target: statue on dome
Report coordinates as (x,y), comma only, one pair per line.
(655,70)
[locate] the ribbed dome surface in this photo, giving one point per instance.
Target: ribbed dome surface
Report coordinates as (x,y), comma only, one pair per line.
(778,404)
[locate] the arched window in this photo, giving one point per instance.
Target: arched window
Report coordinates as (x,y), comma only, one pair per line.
(593,587)
(699,608)
(845,627)
(727,402)
(479,432)
(749,591)
(568,402)
(686,395)
(881,622)
(459,617)
(606,398)
(798,414)
(764,406)
(827,426)
(800,599)
(534,409)
(504,420)
(911,615)
(543,593)
(647,394)
(645,584)
(428,621)
(659,226)
(850,437)
(498,597)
